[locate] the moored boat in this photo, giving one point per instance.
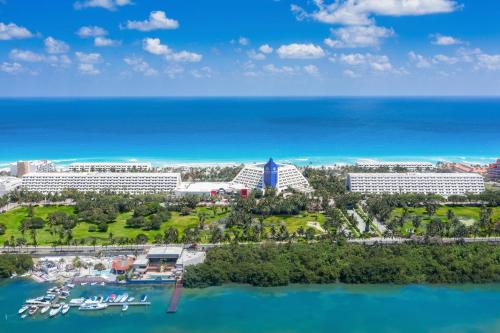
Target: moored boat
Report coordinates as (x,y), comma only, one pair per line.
(92,306)
(125,307)
(56,308)
(77,301)
(144,298)
(130,299)
(44,309)
(23,309)
(33,309)
(65,309)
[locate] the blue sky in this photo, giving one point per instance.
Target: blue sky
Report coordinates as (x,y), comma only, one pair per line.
(249,47)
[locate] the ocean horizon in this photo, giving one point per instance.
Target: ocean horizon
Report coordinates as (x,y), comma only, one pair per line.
(298,130)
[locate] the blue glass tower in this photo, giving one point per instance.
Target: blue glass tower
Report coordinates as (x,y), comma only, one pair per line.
(270,174)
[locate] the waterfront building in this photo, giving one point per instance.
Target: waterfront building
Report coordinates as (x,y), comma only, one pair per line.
(8,184)
(494,171)
(109,167)
(130,182)
(20,168)
(271,174)
(410,166)
(444,184)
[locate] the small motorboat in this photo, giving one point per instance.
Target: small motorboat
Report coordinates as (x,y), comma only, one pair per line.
(56,308)
(45,309)
(70,285)
(144,298)
(83,284)
(93,283)
(77,300)
(124,297)
(23,309)
(33,309)
(103,283)
(93,306)
(131,299)
(125,307)
(65,309)
(24,315)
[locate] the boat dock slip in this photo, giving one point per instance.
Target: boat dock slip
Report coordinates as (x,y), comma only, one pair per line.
(118,304)
(172,308)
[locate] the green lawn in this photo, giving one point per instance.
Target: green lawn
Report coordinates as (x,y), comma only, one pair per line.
(462,212)
(294,222)
(13,218)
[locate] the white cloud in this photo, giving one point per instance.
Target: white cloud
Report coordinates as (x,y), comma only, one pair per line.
(360,12)
(358,36)
(311,69)
(353,59)
(11,67)
(243,41)
(184,56)
(300,51)
(174,71)
(441,58)
(91,31)
(12,31)
(266,49)
(350,73)
(88,69)
(140,66)
(489,61)
(271,68)
(26,56)
(54,46)
(89,58)
(158,20)
(256,55)
(154,46)
(204,72)
(106,4)
(419,60)
(445,40)
(103,41)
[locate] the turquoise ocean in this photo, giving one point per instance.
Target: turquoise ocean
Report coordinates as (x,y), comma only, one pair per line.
(329,308)
(299,130)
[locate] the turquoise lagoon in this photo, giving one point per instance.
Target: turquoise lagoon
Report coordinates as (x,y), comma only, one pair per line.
(330,308)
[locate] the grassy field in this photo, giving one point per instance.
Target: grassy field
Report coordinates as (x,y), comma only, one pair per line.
(13,218)
(294,222)
(467,215)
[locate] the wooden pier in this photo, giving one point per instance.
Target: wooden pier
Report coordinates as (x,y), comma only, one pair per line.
(172,308)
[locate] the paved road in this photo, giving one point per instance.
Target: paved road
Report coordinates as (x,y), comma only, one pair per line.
(116,249)
(360,222)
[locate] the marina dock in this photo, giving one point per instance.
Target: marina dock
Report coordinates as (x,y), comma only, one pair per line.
(172,308)
(117,304)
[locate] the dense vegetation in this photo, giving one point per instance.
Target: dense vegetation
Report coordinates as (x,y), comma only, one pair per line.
(10,264)
(273,264)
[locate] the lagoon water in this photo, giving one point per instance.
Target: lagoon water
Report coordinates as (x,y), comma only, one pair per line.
(300,130)
(331,308)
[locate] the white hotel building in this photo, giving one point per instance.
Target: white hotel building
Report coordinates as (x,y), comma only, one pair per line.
(271,174)
(133,182)
(109,167)
(444,184)
(410,166)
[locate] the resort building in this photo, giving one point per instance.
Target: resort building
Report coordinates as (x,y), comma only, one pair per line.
(130,182)
(494,171)
(109,167)
(444,184)
(410,166)
(20,168)
(271,174)
(8,184)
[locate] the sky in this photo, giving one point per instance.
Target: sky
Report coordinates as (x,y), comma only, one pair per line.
(249,48)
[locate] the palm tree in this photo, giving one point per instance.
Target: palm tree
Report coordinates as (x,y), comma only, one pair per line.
(33,233)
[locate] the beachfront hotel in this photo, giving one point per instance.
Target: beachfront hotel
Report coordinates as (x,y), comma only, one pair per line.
(271,174)
(8,184)
(410,166)
(109,167)
(444,184)
(126,182)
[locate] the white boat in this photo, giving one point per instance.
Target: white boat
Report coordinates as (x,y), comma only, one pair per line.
(103,283)
(65,309)
(70,285)
(83,284)
(23,309)
(124,297)
(92,306)
(144,298)
(125,307)
(44,309)
(24,315)
(131,299)
(77,301)
(93,283)
(55,310)
(117,298)
(33,309)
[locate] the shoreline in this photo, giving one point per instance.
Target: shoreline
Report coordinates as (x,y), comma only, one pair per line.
(315,161)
